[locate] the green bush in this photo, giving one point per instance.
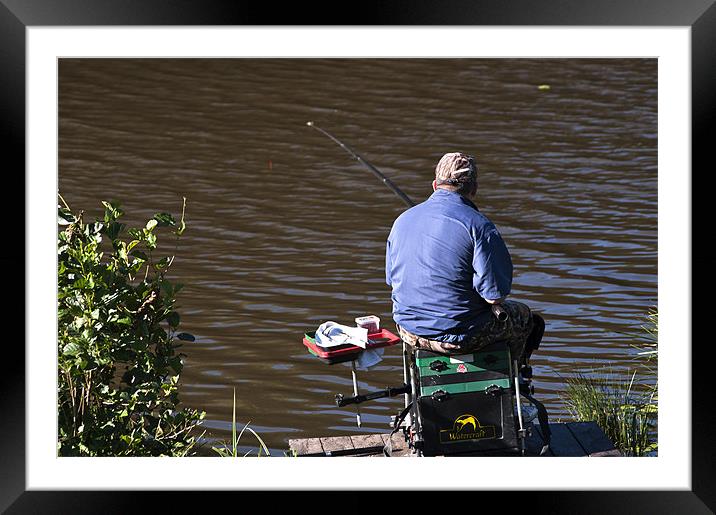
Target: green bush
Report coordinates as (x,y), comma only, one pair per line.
(118,366)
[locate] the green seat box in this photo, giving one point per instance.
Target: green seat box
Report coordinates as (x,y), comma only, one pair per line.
(465,402)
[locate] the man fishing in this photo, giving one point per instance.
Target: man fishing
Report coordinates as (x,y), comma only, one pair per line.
(451,273)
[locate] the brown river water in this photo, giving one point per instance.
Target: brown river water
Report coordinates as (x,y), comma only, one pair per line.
(285,230)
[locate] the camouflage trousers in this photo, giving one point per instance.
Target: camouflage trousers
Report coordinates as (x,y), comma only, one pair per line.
(513,331)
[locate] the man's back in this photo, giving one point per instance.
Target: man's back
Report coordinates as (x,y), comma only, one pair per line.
(443,259)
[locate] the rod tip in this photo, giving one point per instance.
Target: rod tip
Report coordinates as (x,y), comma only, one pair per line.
(310,124)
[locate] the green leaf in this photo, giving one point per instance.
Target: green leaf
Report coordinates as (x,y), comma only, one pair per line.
(122,252)
(139,254)
(186,337)
(164,219)
(71,349)
(167,287)
(151,224)
(176,364)
(112,211)
(108,211)
(173,319)
(162,263)
(151,241)
(64,216)
(113,230)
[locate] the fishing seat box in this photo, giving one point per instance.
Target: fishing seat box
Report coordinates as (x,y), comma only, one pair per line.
(465,402)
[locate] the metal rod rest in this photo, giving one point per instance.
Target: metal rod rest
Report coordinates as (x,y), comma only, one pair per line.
(357,399)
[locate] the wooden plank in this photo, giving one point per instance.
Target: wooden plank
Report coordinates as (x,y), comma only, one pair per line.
(399,445)
(306,446)
(563,443)
(568,439)
(613,452)
(336,443)
(364,441)
(534,443)
(538,431)
(592,439)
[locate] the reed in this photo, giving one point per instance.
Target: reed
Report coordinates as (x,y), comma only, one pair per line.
(232,450)
(649,339)
(628,418)
(625,417)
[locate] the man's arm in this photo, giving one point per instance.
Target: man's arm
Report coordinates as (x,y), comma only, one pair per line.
(493,267)
(388,264)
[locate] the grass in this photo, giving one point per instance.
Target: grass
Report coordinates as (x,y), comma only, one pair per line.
(627,419)
(650,335)
(232,450)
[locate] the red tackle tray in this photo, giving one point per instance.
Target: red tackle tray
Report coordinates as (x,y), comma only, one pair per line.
(347,352)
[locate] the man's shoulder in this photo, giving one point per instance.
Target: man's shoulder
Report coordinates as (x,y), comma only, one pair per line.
(410,214)
(472,218)
(481,220)
(466,215)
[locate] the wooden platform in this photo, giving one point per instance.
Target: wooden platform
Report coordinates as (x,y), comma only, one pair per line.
(568,439)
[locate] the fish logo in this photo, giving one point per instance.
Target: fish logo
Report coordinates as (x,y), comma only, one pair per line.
(466,420)
(467,427)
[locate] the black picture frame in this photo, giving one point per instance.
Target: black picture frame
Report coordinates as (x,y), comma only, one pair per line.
(17,15)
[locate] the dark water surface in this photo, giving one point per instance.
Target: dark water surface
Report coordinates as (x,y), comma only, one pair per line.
(285,230)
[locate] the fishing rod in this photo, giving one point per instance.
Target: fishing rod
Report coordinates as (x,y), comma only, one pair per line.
(372,168)
(406,375)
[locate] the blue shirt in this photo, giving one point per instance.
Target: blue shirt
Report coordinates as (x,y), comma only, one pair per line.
(442,259)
